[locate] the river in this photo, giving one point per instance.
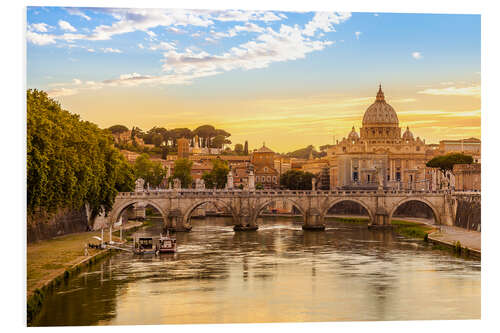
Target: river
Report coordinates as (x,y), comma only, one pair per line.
(279,273)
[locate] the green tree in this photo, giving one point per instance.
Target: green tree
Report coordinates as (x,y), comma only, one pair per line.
(182,170)
(446,162)
(296,180)
(305,153)
(238,148)
(205,133)
(157,139)
(151,171)
(178,133)
(70,162)
(259,186)
(217,177)
(117,129)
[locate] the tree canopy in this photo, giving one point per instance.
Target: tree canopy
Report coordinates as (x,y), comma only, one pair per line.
(182,170)
(296,180)
(70,162)
(217,177)
(306,152)
(118,129)
(446,162)
(151,171)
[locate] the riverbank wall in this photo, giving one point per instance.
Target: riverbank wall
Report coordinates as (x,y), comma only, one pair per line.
(35,299)
(41,225)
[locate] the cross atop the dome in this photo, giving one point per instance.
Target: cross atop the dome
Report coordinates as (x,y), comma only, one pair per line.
(380,94)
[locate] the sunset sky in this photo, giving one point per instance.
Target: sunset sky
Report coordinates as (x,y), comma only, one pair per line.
(289,79)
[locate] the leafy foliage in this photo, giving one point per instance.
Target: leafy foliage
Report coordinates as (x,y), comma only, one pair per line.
(217,177)
(306,152)
(151,171)
(238,148)
(118,129)
(297,180)
(446,162)
(70,162)
(182,170)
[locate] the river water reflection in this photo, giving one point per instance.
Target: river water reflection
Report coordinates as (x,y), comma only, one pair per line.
(278,274)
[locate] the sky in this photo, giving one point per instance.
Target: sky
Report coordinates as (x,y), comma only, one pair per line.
(288,79)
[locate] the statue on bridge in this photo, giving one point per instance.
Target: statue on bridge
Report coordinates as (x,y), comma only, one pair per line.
(380,178)
(177,184)
(139,185)
(199,184)
(313,183)
(230,182)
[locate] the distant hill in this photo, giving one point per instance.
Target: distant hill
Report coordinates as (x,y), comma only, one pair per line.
(306,152)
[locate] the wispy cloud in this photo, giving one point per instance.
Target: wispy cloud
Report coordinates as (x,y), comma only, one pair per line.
(77,12)
(357,34)
(474,91)
(40,27)
(111,50)
(416,55)
(66,26)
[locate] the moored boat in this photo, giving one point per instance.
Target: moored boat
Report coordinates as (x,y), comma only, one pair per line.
(167,244)
(144,245)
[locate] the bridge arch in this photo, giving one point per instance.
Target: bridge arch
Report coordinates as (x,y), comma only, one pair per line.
(435,212)
(118,211)
(330,205)
(261,207)
(186,216)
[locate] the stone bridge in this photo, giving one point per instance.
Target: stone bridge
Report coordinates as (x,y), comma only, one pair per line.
(177,206)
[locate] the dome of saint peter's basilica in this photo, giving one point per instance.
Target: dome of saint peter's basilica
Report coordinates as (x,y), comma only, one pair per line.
(380,113)
(380,120)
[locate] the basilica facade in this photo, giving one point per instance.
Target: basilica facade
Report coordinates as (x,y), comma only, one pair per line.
(381,155)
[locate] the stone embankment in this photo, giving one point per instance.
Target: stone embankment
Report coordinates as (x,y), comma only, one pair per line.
(452,236)
(52,261)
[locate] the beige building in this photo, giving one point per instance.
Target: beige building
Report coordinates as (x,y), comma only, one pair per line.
(380,155)
(470,146)
(265,173)
(467,177)
(182,148)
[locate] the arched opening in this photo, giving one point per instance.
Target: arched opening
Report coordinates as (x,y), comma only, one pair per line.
(208,214)
(135,211)
(414,211)
(348,211)
(279,210)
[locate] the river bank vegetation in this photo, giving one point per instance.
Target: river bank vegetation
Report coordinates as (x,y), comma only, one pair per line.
(412,229)
(70,162)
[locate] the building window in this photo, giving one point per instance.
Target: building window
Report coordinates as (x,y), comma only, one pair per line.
(368,178)
(398,176)
(257,178)
(274,179)
(265,169)
(388,177)
(355,176)
(268,178)
(411,178)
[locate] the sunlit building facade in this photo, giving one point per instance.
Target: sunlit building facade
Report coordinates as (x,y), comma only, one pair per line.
(380,155)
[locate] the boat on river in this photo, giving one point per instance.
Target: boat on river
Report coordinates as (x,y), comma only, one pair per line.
(144,245)
(167,244)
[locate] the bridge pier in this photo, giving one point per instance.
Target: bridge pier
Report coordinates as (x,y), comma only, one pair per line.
(381,220)
(245,223)
(313,220)
(175,222)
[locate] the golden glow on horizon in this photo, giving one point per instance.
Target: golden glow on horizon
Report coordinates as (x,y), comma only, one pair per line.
(284,123)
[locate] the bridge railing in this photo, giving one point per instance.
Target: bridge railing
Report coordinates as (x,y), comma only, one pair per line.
(238,192)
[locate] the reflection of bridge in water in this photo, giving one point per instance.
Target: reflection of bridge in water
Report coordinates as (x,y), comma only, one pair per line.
(177,206)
